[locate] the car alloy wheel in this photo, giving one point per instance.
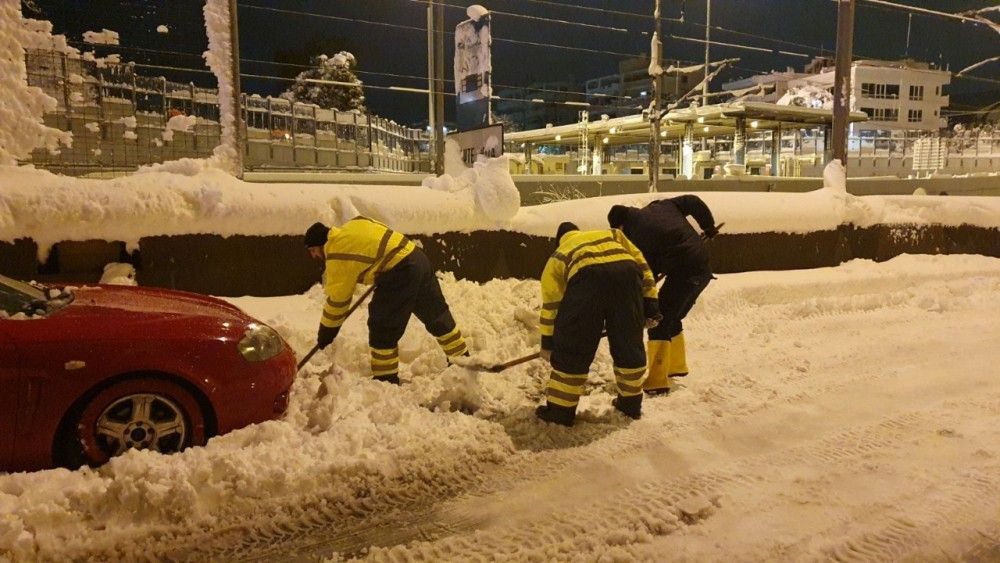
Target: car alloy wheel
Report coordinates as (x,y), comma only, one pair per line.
(151,414)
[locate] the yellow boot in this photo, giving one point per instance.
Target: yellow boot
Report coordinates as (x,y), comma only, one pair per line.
(658,360)
(678,357)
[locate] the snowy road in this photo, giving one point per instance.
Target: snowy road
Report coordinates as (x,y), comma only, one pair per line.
(847,414)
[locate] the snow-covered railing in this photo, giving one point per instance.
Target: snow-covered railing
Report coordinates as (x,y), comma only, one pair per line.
(121,120)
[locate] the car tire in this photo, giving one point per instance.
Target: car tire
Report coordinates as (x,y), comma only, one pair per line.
(143,413)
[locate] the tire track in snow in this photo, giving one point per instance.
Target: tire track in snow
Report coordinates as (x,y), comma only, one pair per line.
(286,527)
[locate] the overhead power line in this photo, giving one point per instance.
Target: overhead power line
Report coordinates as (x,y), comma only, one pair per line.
(529,17)
(916,9)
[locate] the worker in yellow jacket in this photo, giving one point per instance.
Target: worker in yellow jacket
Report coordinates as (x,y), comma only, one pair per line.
(594,280)
(366,251)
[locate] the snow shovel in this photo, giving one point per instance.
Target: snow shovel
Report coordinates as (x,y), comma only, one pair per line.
(497,368)
(357,304)
(717,229)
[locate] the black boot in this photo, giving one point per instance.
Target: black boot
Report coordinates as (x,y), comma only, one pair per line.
(556,414)
(628,406)
(393,379)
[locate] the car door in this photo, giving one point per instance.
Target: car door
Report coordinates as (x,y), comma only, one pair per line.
(11,390)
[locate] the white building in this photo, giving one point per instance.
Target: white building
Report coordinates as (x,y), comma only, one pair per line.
(896,95)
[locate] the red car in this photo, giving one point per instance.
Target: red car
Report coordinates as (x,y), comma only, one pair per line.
(89,372)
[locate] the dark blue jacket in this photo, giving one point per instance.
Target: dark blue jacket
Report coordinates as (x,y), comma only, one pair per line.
(669,243)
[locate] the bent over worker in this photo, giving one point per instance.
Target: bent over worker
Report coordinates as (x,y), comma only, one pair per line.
(594,280)
(366,251)
(673,249)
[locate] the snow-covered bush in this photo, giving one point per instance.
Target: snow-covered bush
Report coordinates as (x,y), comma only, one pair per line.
(338,68)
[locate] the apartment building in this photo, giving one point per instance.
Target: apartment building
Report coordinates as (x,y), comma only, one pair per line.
(902,95)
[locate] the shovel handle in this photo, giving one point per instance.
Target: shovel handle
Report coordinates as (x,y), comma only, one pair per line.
(354,307)
(307,357)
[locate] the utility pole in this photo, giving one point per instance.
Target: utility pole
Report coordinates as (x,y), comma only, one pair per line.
(704,83)
(708,38)
(238,121)
(842,78)
(435,80)
(656,75)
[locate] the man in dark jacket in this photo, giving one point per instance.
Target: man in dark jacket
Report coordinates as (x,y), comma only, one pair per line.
(366,251)
(673,249)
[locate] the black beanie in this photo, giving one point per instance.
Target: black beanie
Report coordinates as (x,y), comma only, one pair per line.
(565,228)
(617,215)
(316,235)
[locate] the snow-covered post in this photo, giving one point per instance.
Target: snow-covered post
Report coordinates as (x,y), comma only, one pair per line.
(842,78)
(22,106)
(222,57)
(656,75)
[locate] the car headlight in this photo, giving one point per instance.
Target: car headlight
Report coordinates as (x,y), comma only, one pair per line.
(259,343)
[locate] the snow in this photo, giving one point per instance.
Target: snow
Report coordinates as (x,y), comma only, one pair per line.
(22,106)
(103,37)
(829,413)
(476,12)
(162,29)
(656,48)
(488,185)
(190,196)
(117,273)
(179,123)
(219,57)
(835,176)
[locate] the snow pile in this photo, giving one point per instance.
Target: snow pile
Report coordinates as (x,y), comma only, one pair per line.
(488,184)
(103,37)
(219,57)
(476,12)
(807,96)
(22,106)
(178,123)
(835,176)
(117,273)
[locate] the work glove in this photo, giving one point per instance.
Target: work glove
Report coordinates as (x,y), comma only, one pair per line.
(653,322)
(326,336)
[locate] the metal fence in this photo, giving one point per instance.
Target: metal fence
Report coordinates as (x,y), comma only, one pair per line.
(121,120)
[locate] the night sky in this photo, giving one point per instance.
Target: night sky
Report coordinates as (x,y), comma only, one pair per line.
(292,39)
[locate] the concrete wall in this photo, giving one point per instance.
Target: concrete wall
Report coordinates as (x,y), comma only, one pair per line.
(279,265)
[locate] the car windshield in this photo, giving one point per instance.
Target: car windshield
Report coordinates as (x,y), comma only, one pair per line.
(19,297)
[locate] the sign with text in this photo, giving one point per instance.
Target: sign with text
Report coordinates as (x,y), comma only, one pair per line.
(486,141)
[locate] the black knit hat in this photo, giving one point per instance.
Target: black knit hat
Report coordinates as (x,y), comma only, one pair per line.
(617,215)
(316,235)
(565,228)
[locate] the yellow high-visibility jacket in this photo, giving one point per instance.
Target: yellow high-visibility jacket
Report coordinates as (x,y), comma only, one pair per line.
(577,250)
(356,253)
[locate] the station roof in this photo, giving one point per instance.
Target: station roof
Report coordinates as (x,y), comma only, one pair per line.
(709,121)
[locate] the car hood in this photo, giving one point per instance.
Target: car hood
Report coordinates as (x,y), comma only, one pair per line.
(128,301)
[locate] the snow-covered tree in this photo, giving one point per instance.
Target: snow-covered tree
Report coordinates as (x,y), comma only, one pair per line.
(347,95)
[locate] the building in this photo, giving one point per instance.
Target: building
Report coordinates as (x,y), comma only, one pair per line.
(897,96)
(627,92)
(536,105)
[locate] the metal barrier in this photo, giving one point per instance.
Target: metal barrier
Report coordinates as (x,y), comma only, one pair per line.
(121,120)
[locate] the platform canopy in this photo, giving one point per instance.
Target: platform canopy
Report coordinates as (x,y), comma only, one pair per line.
(716,120)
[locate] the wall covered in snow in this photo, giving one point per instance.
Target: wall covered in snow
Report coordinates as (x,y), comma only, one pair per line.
(22,106)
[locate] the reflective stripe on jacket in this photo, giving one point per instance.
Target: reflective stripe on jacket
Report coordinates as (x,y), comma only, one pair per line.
(577,250)
(356,253)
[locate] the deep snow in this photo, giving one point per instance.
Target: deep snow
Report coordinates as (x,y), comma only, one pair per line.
(843,413)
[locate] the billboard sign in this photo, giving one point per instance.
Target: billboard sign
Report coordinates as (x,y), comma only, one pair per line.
(473,70)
